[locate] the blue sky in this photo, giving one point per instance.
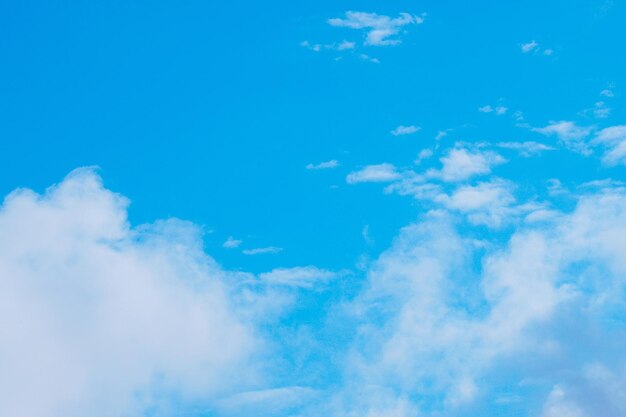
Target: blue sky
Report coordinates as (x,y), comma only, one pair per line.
(322,208)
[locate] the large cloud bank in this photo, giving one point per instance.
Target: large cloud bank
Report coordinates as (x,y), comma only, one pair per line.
(100,319)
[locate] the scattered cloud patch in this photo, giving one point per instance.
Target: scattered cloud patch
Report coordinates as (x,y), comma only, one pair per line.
(379,29)
(333,163)
(613,139)
(607,92)
(374,173)
(94,309)
(405,130)
(569,133)
(231,243)
(529,46)
(262,251)
(317,47)
(533,47)
(302,277)
(498,110)
(460,164)
(526,149)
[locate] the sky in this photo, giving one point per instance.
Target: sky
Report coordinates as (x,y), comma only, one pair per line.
(350,209)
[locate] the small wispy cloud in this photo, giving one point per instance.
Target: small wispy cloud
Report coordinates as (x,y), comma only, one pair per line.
(607,93)
(333,163)
(533,46)
(423,155)
(374,173)
(317,47)
(379,28)
(498,110)
(366,57)
(529,46)
(231,243)
(405,130)
(526,149)
(262,251)
(569,133)
(302,276)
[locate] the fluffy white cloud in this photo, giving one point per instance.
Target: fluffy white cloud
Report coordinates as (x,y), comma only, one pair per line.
(333,163)
(405,130)
(460,164)
(570,134)
(526,149)
(614,140)
(374,173)
(379,27)
(441,314)
(101,319)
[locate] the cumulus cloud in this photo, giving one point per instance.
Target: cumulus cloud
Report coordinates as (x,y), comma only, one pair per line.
(379,28)
(460,164)
(445,317)
(100,318)
(333,163)
(405,130)
(569,133)
(374,173)
(613,139)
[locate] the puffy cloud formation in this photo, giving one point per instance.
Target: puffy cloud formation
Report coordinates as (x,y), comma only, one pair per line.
(102,319)
(446,321)
(374,173)
(379,27)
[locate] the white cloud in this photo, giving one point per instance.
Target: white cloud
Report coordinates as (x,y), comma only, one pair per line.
(317,47)
(231,243)
(267,402)
(368,58)
(600,110)
(607,93)
(431,323)
(99,317)
(374,173)
(499,110)
(423,155)
(405,130)
(614,140)
(557,405)
(343,45)
(379,28)
(460,164)
(526,149)
(570,134)
(262,251)
(333,163)
(529,47)
(302,277)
